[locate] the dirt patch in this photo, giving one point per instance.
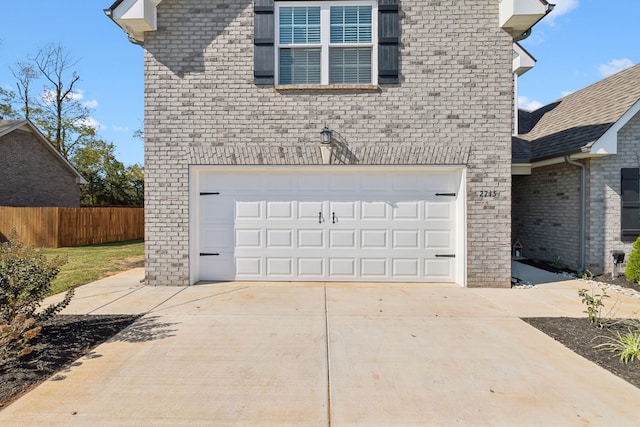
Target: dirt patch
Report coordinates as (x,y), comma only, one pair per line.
(581,336)
(63,340)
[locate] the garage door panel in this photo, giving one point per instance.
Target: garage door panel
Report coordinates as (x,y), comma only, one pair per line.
(406,211)
(248,210)
(405,268)
(405,239)
(249,267)
(280,210)
(280,267)
(342,238)
(438,211)
(439,269)
(249,238)
(374,268)
(438,239)
(310,239)
(280,238)
(310,210)
(311,268)
(374,239)
(374,211)
(342,268)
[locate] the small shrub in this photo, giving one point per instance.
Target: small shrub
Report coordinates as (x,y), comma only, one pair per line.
(25,279)
(627,346)
(632,270)
(594,304)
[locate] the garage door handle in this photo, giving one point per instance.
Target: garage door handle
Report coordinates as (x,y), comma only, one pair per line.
(445,255)
(320,219)
(208,254)
(333,217)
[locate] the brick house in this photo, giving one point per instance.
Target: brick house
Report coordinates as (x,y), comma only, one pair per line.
(32,171)
(350,140)
(576,178)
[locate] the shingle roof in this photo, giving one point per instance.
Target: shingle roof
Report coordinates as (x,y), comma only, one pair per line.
(573,123)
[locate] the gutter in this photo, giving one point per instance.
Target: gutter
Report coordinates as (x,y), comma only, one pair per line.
(527,33)
(109,13)
(583,207)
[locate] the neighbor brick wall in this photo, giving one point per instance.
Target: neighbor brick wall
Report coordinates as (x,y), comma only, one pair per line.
(546,214)
(202,108)
(30,175)
(603,231)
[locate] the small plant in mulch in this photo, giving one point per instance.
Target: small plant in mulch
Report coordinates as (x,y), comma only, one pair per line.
(25,279)
(594,304)
(626,345)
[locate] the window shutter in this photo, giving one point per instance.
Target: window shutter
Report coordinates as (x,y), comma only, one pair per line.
(630,198)
(263,37)
(388,42)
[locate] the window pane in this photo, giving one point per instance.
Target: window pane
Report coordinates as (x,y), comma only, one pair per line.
(299,66)
(351,24)
(300,25)
(350,65)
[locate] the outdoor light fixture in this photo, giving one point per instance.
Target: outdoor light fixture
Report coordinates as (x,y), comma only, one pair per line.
(326,135)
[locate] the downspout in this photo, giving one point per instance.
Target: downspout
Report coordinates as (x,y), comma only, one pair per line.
(583,207)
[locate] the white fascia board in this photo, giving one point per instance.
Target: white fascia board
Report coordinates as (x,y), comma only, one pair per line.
(136,17)
(608,143)
(522,60)
(520,168)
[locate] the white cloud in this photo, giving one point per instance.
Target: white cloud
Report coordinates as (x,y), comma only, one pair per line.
(527,104)
(90,104)
(562,7)
(614,66)
(90,121)
(566,92)
(120,128)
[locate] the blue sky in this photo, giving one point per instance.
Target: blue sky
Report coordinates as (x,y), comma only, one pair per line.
(581,42)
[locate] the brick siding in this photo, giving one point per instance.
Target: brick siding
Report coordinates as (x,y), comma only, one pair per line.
(30,175)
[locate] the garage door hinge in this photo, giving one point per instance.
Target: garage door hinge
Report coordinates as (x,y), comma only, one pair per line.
(209,194)
(446,194)
(445,255)
(208,254)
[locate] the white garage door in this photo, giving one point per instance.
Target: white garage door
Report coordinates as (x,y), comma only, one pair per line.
(331,224)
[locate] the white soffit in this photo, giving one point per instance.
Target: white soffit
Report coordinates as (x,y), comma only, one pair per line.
(522,60)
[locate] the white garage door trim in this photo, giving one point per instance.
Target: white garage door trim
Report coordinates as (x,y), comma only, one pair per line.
(337,220)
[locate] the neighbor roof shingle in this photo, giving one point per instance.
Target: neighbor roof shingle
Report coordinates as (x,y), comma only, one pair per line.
(573,123)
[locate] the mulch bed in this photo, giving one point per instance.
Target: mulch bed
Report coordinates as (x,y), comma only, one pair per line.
(63,340)
(581,336)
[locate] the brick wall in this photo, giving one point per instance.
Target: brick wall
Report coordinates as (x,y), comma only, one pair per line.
(30,175)
(202,108)
(546,214)
(603,232)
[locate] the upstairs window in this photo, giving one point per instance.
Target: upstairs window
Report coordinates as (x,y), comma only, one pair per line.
(354,42)
(326,42)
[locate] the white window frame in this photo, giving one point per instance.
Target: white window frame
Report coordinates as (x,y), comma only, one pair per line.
(325,37)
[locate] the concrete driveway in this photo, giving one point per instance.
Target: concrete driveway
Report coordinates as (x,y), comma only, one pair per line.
(246,354)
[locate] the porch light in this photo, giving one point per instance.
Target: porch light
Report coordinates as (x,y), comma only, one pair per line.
(326,135)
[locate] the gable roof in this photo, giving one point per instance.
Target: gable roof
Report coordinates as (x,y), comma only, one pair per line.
(576,122)
(8,126)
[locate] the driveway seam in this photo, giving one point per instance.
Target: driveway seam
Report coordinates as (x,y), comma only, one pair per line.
(326,330)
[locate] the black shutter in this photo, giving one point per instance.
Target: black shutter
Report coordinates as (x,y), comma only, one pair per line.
(263,37)
(388,42)
(630,198)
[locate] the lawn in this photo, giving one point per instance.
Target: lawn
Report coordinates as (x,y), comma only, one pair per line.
(89,263)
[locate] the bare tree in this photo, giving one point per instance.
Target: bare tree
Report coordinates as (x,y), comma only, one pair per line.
(25,74)
(66,114)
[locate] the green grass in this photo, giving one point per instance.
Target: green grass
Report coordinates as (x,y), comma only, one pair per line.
(86,264)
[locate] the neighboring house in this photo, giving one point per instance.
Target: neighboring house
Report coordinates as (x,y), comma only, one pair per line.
(32,171)
(328,140)
(587,144)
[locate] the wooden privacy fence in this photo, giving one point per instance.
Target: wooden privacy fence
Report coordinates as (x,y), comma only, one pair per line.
(59,227)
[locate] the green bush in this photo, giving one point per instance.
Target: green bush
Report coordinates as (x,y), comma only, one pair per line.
(25,280)
(632,271)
